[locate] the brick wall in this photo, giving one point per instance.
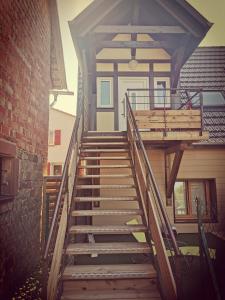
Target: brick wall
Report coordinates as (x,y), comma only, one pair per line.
(24,85)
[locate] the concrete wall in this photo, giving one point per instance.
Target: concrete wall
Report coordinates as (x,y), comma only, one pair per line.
(24,85)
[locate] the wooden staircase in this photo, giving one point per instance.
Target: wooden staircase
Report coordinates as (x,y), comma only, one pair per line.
(103,258)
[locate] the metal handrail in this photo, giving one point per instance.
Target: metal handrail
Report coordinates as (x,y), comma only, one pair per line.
(63,183)
(154,184)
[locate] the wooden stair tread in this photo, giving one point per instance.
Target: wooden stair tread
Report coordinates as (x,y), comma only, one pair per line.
(105,150)
(103,212)
(107,248)
(107,229)
(105,186)
(106,158)
(88,199)
(105,137)
(106,176)
(104,144)
(109,271)
(103,166)
(112,295)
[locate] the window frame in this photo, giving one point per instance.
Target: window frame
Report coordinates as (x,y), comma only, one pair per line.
(8,152)
(110,80)
(210,197)
(52,141)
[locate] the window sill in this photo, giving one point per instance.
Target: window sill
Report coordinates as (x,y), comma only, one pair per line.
(192,221)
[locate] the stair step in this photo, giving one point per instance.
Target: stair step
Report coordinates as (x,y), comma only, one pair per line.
(107,248)
(105,133)
(79,272)
(107,229)
(105,137)
(96,199)
(106,176)
(103,166)
(111,212)
(105,150)
(105,186)
(112,295)
(106,158)
(97,144)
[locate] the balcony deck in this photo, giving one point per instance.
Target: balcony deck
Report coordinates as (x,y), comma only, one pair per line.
(170,125)
(166,115)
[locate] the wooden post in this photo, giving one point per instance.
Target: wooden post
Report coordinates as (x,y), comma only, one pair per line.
(174,172)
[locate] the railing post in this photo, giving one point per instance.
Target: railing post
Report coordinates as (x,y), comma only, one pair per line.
(202,113)
(46,217)
(165,129)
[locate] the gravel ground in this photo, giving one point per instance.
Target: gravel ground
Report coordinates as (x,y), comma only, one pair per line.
(30,289)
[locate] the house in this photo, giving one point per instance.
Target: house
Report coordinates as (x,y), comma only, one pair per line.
(151,150)
(31,63)
(60,130)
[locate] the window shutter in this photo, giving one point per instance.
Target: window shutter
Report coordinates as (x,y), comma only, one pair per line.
(58,137)
(48,169)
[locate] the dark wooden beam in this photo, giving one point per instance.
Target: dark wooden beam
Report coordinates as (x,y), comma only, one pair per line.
(100,16)
(178,59)
(135,44)
(174,171)
(177,147)
(188,23)
(138,29)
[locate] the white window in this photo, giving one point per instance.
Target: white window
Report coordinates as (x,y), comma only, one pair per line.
(161,92)
(51,137)
(105,92)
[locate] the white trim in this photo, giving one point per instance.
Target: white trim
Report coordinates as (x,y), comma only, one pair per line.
(99,80)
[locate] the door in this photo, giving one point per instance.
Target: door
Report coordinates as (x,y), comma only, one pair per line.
(139,100)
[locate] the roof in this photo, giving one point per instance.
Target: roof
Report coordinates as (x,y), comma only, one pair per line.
(206,69)
(58,74)
(146,13)
(61,111)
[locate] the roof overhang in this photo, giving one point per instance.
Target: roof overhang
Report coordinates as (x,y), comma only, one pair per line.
(179,32)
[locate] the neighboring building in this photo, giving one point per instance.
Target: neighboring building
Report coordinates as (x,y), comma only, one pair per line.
(60,130)
(31,63)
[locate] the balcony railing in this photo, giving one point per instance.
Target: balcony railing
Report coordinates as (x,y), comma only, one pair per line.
(170,114)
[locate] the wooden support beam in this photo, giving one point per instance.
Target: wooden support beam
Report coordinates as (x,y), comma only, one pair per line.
(138,29)
(176,147)
(178,59)
(174,172)
(136,44)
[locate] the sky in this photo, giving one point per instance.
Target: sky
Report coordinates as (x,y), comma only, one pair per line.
(212,10)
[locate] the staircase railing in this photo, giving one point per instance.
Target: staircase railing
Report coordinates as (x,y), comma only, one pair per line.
(205,254)
(155,214)
(54,247)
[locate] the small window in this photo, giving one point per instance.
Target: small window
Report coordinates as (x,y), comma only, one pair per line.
(105,93)
(51,137)
(185,206)
(161,92)
(160,95)
(57,169)
(9,170)
(54,137)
